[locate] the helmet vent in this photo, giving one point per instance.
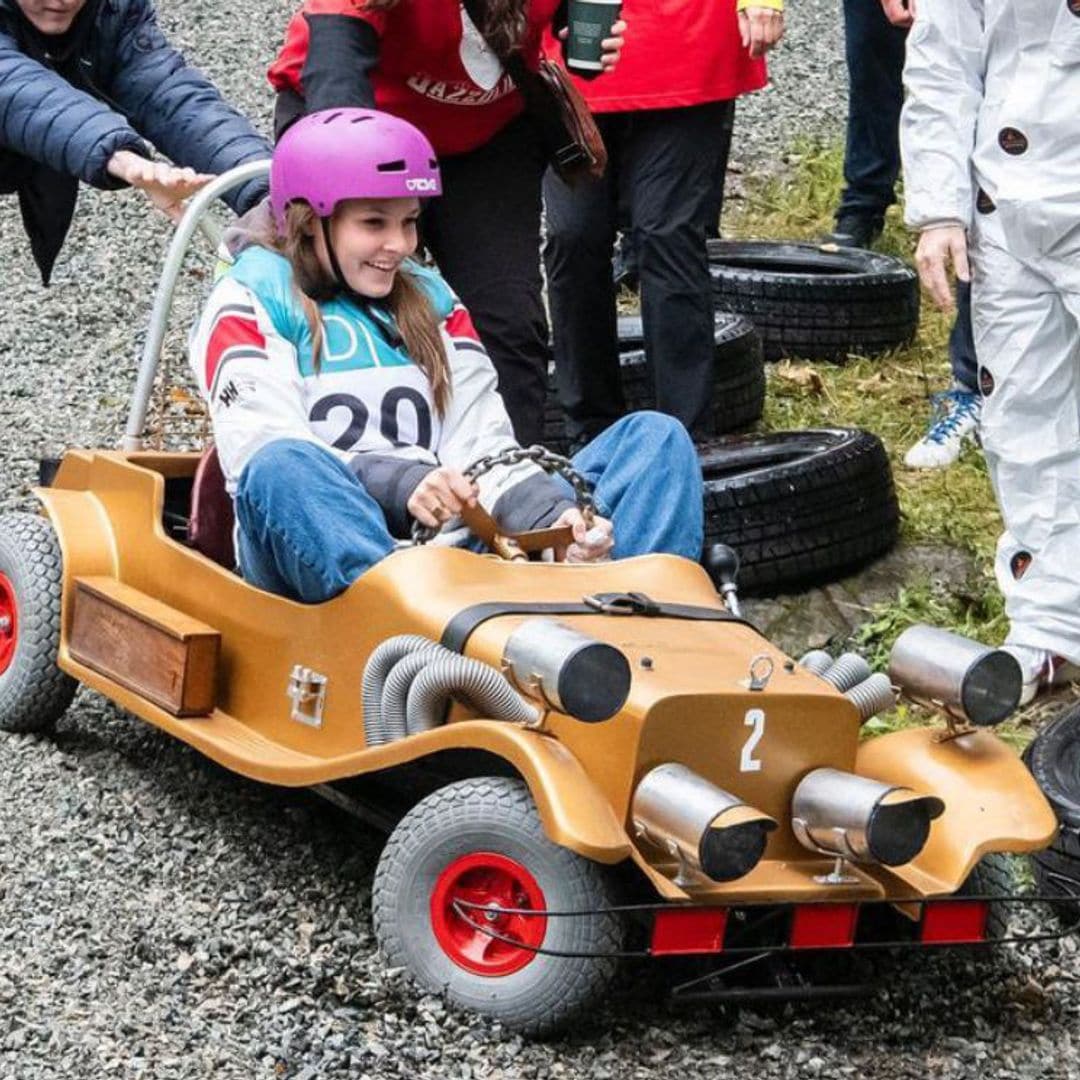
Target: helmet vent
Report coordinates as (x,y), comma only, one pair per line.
(391,166)
(331,118)
(359,119)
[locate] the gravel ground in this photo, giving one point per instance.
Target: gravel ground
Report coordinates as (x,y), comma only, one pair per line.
(160,917)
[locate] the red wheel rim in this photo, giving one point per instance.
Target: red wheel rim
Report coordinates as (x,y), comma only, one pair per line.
(492,881)
(9,623)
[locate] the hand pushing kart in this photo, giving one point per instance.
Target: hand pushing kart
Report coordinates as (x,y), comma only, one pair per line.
(638,771)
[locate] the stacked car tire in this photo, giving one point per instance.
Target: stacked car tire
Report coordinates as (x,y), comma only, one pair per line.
(799,508)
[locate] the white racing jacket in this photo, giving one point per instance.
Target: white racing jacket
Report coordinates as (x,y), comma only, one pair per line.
(991,122)
(368,403)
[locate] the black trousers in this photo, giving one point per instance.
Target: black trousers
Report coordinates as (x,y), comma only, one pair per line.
(662,179)
(484,234)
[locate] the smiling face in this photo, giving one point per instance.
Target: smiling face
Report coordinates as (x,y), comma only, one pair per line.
(371,238)
(51,16)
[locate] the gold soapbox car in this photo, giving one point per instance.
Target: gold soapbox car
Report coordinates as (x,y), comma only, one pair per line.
(624,766)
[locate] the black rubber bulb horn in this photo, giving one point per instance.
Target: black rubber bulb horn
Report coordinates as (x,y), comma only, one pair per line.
(723,565)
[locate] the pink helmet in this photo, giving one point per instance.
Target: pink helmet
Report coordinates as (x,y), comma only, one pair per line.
(340,154)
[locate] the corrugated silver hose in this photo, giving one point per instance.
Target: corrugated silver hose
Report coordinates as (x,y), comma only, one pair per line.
(872,695)
(847,671)
(378,667)
(450,675)
(817,661)
(395,697)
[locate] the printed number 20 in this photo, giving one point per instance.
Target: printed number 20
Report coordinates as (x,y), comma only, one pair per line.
(755,718)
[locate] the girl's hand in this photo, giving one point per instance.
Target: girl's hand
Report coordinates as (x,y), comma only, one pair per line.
(166,186)
(590,544)
(760,29)
(611,47)
(938,246)
(440,496)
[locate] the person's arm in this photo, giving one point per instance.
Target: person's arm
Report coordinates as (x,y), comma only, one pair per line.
(943,80)
(45,118)
(342,52)
(476,425)
(179,109)
(248,376)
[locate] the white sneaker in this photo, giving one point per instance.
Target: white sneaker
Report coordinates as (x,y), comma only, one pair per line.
(955,418)
(1041,670)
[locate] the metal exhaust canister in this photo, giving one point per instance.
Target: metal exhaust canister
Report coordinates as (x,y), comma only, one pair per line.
(864,820)
(947,671)
(567,670)
(710,830)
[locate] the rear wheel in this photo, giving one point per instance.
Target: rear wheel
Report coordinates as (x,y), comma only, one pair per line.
(992,877)
(479,844)
(1053,758)
(34,692)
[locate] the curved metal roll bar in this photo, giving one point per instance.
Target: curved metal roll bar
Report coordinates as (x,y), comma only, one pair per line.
(134,434)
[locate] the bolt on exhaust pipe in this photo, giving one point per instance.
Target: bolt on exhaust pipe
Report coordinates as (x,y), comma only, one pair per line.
(966,679)
(708,829)
(840,814)
(567,670)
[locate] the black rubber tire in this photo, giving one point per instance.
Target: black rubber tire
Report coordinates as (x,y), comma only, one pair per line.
(992,876)
(815,304)
(495,814)
(34,692)
(1053,758)
(800,507)
(738,395)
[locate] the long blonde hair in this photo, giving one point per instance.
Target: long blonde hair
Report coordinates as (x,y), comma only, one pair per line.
(407,302)
(504,22)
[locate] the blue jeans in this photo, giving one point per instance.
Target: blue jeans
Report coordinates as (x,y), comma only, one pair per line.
(875,61)
(308,529)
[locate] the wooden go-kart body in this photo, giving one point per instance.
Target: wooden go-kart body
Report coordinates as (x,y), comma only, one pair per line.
(515,888)
(690,701)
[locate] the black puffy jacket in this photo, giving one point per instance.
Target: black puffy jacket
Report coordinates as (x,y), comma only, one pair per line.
(67,104)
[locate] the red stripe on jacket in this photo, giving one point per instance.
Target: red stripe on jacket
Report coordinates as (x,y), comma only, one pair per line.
(228,332)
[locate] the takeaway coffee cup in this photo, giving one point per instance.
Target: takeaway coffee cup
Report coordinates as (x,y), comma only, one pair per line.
(589,23)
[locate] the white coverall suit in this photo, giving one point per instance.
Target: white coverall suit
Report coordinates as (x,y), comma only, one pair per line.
(991,141)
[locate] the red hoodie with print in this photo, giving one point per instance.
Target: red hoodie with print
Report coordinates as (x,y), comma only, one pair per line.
(422,60)
(677,53)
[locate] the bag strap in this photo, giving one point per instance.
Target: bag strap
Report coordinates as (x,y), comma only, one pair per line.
(461,627)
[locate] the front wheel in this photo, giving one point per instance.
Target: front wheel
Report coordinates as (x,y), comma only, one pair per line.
(34,692)
(480,842)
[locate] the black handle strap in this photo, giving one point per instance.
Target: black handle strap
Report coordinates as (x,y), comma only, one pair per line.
(619,605)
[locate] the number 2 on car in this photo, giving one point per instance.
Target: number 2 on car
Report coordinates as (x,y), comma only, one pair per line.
(755,719)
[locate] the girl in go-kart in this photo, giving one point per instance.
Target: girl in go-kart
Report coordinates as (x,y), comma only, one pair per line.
(348,389)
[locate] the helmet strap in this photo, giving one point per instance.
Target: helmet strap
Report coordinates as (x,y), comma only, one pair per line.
(335,266)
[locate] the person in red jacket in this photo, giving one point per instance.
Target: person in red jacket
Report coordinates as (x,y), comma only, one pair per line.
(662,115)
(428,62)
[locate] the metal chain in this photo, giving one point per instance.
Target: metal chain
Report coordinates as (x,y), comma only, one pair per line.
(553,464)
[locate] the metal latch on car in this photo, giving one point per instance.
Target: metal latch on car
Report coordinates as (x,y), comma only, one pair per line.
(307,692)
(630,603)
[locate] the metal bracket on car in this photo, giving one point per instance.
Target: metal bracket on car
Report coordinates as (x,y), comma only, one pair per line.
(761,671)
(307,692)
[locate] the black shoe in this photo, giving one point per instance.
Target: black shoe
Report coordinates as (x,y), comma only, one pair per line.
(855,231)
